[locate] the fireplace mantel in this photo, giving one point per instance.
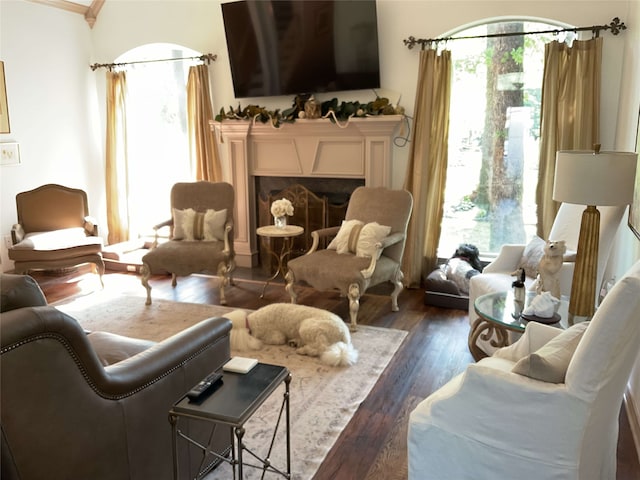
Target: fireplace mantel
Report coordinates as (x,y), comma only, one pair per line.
(360,148)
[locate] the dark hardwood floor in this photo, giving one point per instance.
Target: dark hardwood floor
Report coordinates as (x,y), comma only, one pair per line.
(373,446)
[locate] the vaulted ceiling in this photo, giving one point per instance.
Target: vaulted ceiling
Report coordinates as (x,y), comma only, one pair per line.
(87,8)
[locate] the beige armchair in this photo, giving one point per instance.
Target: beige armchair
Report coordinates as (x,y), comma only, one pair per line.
(366,251)
(200,235)
(54,231)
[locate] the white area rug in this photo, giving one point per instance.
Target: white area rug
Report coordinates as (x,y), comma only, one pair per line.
(323,399)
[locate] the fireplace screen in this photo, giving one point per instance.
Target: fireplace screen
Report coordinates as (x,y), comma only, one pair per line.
(311,211)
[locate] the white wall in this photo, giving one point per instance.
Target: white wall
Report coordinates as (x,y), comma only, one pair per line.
(51,97)
(57,103)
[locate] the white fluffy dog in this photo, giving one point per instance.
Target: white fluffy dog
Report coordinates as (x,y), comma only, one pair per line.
(312,331)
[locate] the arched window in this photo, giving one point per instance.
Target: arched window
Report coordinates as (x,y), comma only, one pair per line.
(494,130)
(157,142)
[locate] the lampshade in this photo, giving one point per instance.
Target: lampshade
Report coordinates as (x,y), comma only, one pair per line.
(589,178)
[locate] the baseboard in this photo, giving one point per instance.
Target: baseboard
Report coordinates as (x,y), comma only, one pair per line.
(634,420)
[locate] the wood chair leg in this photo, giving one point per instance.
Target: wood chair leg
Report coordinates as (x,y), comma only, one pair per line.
(354,305)
(289,281)
(145,271)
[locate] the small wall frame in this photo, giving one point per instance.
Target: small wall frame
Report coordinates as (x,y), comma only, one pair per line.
(9,153)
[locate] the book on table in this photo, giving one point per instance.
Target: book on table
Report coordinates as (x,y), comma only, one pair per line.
(240,364)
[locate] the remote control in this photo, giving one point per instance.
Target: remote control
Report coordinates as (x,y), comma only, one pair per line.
(197,391)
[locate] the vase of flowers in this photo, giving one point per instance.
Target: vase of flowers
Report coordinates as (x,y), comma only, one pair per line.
(280,209)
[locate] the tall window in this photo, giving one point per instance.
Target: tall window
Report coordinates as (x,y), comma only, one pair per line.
(493,141)
(158,149)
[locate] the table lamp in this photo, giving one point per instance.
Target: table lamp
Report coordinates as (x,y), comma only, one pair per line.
(591,178)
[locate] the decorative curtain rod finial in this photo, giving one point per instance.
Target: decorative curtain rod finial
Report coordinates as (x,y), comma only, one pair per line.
(616,26)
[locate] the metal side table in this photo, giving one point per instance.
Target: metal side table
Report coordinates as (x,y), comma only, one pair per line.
(286,233)
(232,404)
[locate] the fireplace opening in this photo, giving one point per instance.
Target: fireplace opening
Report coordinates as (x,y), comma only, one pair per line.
(318,203)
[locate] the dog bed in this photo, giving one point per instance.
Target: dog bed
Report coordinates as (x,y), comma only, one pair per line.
(444,293)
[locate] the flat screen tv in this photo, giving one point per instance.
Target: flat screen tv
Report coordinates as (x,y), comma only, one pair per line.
(284,47)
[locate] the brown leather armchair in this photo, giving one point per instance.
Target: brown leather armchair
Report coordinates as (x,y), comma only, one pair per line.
(54,231)
(200,238)
(66,415)
(364,254)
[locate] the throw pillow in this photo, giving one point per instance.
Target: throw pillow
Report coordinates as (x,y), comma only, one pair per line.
(370,235)
(531,256)
(213,223)
(191,225)
(550,362)
(183,221)
(356,237)
(340,243)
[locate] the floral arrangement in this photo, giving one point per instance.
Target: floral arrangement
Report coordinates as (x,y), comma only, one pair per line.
(281,207)
(329,109)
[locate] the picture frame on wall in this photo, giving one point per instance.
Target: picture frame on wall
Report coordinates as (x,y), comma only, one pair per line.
(634,209)
(4,106)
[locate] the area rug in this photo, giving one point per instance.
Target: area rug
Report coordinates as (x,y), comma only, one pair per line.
(323,399)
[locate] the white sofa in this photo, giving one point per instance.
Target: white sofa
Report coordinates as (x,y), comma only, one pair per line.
(497,275)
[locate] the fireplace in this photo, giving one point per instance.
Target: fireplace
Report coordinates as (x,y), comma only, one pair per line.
(327,158)
(318,203)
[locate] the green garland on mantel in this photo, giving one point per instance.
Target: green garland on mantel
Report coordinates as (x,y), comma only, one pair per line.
(305,106)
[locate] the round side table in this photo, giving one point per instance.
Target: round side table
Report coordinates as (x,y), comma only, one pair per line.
(286,233)
(498,314)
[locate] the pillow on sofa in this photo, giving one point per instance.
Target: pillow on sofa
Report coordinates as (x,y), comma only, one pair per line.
(531,256)
(550,362)
(356,237)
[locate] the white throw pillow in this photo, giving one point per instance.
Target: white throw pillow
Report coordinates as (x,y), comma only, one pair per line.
(370,235)
(340,243)
(183,222)
(213,224)
(356,237)
(550,362)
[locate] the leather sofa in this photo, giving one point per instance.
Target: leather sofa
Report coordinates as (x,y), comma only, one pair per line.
(94,405)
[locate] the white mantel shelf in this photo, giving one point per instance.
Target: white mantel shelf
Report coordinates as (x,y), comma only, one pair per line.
(360,148)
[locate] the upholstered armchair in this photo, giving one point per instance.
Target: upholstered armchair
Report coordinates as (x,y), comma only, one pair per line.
(546,406)
(498,276)
(200,235)
(79,405)
(366,251)
(54,231)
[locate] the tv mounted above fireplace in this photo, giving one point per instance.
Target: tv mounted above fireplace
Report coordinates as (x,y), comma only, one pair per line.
(289,47)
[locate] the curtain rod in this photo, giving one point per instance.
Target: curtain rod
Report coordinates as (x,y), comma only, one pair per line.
(207,57)
(616,26)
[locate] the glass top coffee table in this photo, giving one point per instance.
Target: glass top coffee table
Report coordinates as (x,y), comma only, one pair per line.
(498,314)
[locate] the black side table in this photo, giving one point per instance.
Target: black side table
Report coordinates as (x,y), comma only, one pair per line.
(233,403)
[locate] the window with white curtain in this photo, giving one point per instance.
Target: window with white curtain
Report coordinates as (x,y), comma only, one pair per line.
(493,140)
(157,142)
